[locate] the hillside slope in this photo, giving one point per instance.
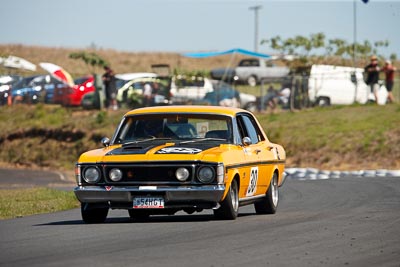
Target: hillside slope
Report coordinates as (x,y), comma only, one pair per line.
(336,138)
(121,62)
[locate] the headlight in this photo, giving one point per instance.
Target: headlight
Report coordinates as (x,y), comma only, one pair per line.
(91,175)
(115,175)
(182,174)
(206,174)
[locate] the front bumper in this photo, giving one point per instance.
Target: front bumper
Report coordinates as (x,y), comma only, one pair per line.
(182,196)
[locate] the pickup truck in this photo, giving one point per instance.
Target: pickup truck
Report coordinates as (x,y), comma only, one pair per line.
(250,71)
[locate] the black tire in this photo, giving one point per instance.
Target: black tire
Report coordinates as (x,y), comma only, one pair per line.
(252,80)
(91,214)
(229,208)
(323,101)
(269,204)
(138,215)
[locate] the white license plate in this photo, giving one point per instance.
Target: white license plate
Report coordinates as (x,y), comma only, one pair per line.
(148,203)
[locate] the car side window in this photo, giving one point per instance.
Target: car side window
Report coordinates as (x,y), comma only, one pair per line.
(247,127)
(249,63)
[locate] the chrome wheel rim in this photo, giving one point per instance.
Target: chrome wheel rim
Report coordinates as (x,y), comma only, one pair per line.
(274,187)
(234,196)
(252,81)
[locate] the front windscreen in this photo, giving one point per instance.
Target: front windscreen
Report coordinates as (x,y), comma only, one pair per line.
(175,127)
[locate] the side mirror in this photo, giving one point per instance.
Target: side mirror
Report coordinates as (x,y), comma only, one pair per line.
(246,141)
(105,141)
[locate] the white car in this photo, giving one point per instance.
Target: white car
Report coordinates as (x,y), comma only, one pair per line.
(123,78)
(335,85)
(212,92)
(184,91)
(225,95)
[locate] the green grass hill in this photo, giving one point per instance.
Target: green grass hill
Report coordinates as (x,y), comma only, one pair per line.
(334,138)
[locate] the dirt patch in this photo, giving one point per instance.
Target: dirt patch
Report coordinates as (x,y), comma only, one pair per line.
(56,134)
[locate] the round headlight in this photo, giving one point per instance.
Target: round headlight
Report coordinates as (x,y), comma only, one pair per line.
(182,174)
(206,174)
(115,175)
(91,175)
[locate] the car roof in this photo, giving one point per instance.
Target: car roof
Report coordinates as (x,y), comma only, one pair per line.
(131,76)
(217,110)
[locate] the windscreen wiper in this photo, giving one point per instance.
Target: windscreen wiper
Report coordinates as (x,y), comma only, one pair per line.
(203,139)
(145,140)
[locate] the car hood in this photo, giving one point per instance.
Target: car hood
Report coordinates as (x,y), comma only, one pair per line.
(206,150)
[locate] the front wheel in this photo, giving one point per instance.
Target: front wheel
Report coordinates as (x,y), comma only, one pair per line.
(91,214)
(252,81)
(230,205)
(269,203)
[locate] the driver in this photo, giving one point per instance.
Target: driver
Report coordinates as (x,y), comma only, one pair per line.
(154,128)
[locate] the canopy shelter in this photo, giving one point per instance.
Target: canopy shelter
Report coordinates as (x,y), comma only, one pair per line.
(58,72)
(232,52)
(14,62)
(226,52)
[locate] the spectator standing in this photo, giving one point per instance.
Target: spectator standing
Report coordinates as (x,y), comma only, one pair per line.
(372,71)
(269,100)
(110,88)
(147,95)
(389,71)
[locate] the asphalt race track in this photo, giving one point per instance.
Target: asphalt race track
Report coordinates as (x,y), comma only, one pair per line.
(350,221)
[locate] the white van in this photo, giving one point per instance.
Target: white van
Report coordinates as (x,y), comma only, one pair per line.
(335,85)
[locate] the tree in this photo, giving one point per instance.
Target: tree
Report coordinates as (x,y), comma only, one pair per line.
(303,48)
(91,59)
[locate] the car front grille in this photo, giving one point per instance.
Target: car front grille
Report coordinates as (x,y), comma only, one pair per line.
(149,173)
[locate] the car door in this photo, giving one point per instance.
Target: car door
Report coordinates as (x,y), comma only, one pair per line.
(250,180)
(259,154)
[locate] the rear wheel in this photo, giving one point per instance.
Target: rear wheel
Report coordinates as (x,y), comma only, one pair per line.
(269,203)
(323,101)
(92,214)
(230,205)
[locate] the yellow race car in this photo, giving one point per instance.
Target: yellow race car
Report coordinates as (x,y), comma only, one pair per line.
(170,158)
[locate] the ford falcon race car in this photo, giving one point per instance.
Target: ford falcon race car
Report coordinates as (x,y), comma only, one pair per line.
(165,159)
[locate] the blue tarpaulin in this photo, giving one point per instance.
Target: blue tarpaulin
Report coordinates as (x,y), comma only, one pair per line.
(227,52)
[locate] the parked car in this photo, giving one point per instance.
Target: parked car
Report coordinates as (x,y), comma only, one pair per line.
(225,95)
(83,85)
(92,100)
(210,92)
(187,90)
(224,74)
(131,94)
(251,71)
(6,84)
(339,85)
(34,89)
(72,96)
(170,158)
(123,78)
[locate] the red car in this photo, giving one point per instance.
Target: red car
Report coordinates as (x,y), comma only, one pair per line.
(72,96)
(82,86)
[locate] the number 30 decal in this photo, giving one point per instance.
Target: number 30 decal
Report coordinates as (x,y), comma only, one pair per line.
(253,182)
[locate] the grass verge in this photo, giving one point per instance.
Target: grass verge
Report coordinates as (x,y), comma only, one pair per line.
(17,203)
(336,138)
